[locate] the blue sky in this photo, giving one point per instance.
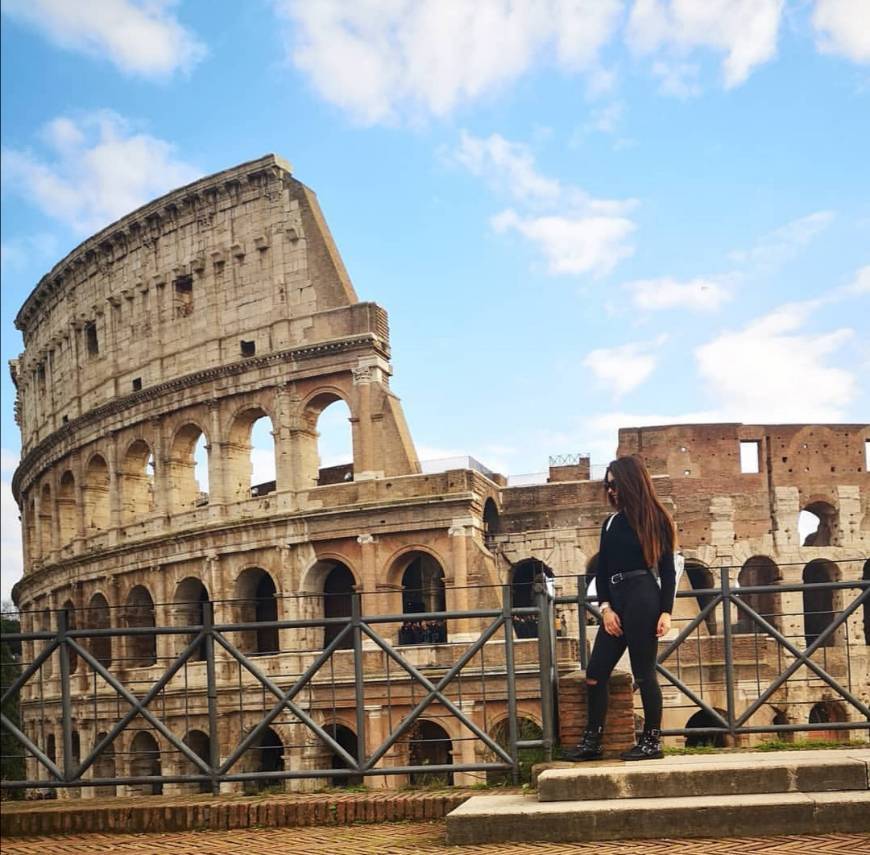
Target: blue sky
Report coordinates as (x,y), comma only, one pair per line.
(580,214)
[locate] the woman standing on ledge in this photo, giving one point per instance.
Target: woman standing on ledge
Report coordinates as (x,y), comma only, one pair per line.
(637,544)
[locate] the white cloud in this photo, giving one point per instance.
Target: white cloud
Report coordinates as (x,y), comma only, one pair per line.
(784,243)
(19,252)
(701,294)
(860,284)
(576,233)
(12,566)
(573,245)
(99,169)
(678,79)
(669,30)
(140,37)
(382,59)
(843,27)
(621,369)
(772,371)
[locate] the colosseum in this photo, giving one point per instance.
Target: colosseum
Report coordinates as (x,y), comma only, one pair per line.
(151,352)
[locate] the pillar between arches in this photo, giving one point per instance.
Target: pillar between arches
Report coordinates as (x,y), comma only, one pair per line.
(457,594)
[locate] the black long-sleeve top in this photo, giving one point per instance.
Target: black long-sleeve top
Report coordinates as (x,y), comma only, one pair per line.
(620,550)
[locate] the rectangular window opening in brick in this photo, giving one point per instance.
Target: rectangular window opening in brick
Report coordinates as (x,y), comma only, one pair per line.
(91,340)
(137,384)
(183,286)
(248,348)
(750,457)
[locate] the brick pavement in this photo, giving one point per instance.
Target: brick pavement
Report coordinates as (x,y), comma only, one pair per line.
(408,838)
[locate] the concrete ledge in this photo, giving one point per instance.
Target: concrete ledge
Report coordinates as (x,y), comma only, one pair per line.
(501,819)
(708,775)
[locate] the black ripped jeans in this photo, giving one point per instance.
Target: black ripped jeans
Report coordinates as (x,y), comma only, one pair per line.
(637,601)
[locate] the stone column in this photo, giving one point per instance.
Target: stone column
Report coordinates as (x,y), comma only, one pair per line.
(363,451)
(217,491)
(114,489)
(459,533)
(285,405)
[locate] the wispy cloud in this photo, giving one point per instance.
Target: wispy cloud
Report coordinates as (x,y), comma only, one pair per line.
(702,294)
(843,28)
(785,243)
(141,38)
(623,368)
(98,169)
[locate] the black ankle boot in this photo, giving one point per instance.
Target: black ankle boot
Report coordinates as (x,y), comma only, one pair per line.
(589,747)
(649,747)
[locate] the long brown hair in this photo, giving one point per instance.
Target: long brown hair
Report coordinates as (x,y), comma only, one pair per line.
(636,498)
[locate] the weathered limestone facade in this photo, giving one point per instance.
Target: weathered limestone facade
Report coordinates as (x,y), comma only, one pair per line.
(226,302)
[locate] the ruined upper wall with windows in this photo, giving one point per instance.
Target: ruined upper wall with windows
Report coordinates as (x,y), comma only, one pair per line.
(235,265)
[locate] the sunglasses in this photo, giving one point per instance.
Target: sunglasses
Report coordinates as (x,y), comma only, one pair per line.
(610,486)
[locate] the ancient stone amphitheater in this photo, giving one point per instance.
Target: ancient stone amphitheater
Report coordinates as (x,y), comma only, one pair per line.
(225,303)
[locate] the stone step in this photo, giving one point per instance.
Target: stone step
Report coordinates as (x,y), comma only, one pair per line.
(503,819)
(708,775)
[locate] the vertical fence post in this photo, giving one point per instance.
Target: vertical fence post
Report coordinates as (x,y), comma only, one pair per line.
(729,651)
(214,755)
(545,659)
(582,631)
(358,677)
(511,676)
(65,700)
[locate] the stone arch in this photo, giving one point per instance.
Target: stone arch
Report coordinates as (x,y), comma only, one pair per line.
(826,712)
(70,610)
(827,532)
(522,577)
(139,612)
(819,605)
(334,437)
(188,609)
(137,481)
(700,578)
(145,761)
(104,767)
(30,529)
(757,571)
(490,518)
(527,729)
(185,487)
(398,562)
(257,602)
(46,520)
(310,457)
(241,473)
(349,741)
(338,588)
(67,508)
(430,745)
(265,755)
(704,719)
(422,591)
(96,493)
(198,742)
(99,617)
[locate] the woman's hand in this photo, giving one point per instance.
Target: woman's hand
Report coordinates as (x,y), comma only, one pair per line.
(663,625)
(612,623)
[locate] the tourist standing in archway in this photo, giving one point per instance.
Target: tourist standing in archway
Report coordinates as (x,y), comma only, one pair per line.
(637,551)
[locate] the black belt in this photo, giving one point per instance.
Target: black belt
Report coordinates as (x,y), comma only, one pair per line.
(616,578)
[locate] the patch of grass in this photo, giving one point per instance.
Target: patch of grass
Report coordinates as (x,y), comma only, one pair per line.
(698,749)
(768,745)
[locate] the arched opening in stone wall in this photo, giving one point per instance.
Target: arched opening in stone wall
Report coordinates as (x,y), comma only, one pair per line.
(99,617)
(780,717)
(145,761)
(30,530)
(338,588)
(818,525)
(527,730)
(429,745)
(826,712)
(250,455)
(67,509)
(96,494)
(758,571)
(188,469)
(104,767)
(199,743)
(139,612)
(347,739)
(257,603)
(819,608)
(865,575)
(51,748)
(137,482)
(46,521)
(422,591)
(523,576)
(334,443)
(701,578)
(702,719)
(188,609)
(490,519)
(69,609)
(265,755)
